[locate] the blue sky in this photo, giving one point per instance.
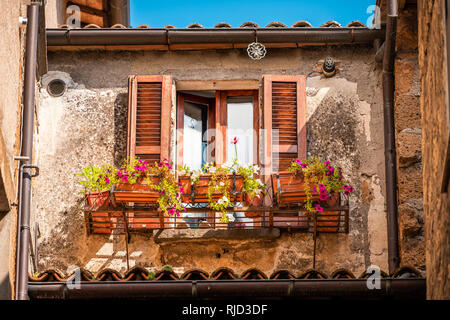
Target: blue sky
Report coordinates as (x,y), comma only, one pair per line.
(158,13)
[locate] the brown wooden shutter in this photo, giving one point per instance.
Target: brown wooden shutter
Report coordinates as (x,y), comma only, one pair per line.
(284,121)
(150,102)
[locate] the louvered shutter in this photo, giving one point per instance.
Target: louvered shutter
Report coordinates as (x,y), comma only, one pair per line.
(284,121)
(150,101)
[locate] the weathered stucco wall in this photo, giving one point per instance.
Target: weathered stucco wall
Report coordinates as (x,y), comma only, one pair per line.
(433,104)
(87,126)
(11,50)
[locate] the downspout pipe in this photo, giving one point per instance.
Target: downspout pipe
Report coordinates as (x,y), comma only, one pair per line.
(389,136)
(22,256)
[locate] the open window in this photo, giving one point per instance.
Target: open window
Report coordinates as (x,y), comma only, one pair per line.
(207,121)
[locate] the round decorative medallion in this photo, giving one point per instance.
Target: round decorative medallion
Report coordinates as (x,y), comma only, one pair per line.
(256,50)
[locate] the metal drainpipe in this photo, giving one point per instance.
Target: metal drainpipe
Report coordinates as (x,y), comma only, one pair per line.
(21,292)
(389,136)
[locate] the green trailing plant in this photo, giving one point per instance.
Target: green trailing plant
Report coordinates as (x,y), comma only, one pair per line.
(319,177)
(169,188)
(151,275)
(95,179)
(219,182)
(135,170)
(167,268)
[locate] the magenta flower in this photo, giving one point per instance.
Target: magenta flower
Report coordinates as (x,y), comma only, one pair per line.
(235,140)
(181,190)
(319,208)
(327,163)
(170,212)
(125,179)
(323,196)
(107,180)
(304,165)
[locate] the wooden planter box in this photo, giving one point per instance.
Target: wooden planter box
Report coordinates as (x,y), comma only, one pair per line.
(329,221)
(289,189)
(199,193)
(139,193)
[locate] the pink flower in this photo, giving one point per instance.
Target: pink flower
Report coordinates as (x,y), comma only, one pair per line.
(107,180)
(235,140)
(170,212)
(178,183)
(319,208)
(327,162)
(323,196)
(304,165)
(181,190)
(125,179)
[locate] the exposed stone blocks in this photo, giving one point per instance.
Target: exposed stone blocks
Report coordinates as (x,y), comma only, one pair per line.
(435,141)
(408,142)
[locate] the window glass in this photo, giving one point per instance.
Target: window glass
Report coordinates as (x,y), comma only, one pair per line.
(240,125)
(192,140)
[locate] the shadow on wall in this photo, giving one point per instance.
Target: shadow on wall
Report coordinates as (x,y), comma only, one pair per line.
(5,288)
(120,128)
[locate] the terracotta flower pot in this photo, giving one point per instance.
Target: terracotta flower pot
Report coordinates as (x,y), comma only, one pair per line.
(96,200)
(289,188)
(255,201)
(201,189)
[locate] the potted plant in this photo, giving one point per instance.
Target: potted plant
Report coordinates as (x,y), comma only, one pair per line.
(137,181)
(222,186)
(96,184)
(313,183)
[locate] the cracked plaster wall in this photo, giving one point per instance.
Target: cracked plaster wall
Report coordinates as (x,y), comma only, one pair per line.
(87,126)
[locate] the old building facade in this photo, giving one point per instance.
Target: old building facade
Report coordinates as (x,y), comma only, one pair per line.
(84,111)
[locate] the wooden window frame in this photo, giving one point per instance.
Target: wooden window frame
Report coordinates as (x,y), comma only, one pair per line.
(217,119)
(181,98)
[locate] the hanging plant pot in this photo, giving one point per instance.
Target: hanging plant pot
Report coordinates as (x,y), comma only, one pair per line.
(139,192)
(289,188)
(199,192)
(329,221)
(97,200)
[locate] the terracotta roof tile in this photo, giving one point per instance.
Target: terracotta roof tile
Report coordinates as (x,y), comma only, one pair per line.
(331,24)
(312,274)
(195,26)
(356,24)
(253,273)
(302,24)
(249,24)
(282,274)
(222,25)
(139,273)
(276,24)
(342,274)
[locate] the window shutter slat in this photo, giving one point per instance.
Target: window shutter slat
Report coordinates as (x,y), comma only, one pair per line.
(150,99)
(284,120)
